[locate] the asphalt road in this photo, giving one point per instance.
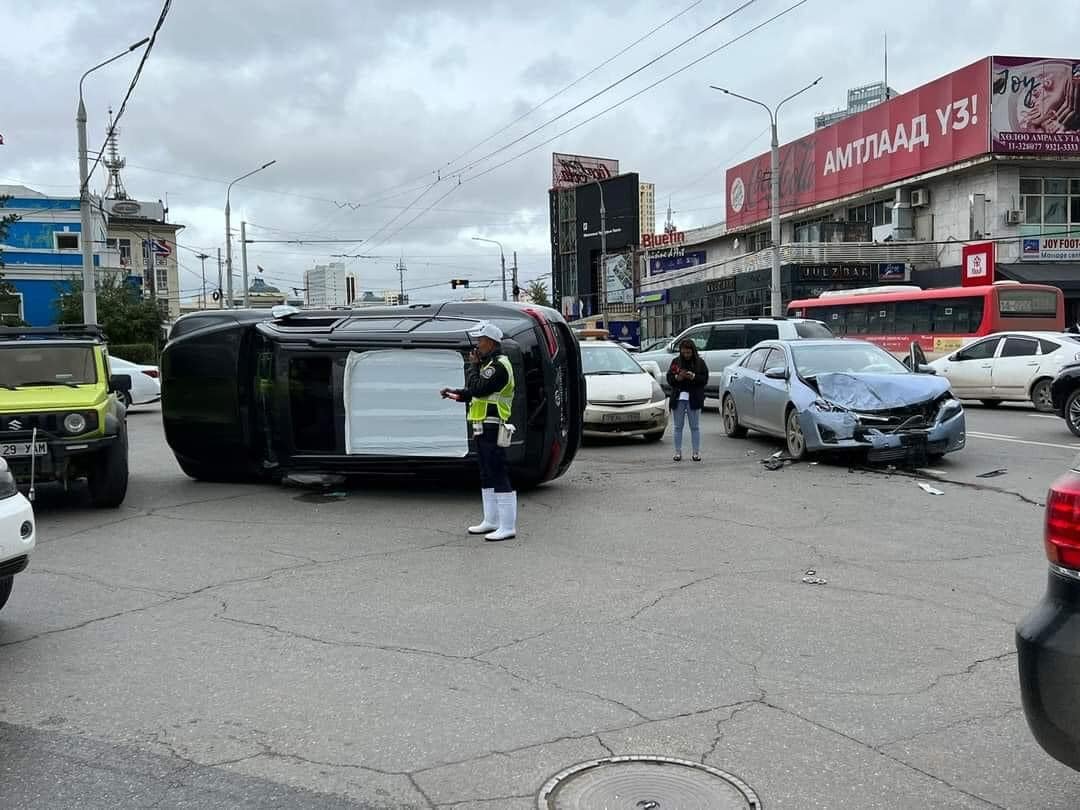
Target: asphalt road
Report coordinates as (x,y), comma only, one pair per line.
(252,646)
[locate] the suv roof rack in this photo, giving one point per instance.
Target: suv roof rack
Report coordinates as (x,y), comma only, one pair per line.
(63,330)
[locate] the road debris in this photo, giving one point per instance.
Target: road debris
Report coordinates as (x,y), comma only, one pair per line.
(992,473)
(929,490)
(777,461)
(811,578)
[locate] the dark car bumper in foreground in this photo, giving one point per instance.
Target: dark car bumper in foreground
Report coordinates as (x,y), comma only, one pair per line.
(61,453)
(1048,656)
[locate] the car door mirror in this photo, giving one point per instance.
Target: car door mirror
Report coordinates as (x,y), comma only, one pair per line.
(776,373)
(925,369)
(120,383)
(916,357)
(653,368)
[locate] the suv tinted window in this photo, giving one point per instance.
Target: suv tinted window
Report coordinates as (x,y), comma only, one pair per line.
(812,330)
(983,350)
(756,360)
(727,337)
(757,332)
(1020,347)
(700,337)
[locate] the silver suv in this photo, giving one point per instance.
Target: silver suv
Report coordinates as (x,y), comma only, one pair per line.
(722,343)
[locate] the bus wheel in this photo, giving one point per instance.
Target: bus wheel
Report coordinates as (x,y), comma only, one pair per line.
(1040,395)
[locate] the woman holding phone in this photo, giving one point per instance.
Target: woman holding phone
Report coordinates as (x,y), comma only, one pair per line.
(687,377)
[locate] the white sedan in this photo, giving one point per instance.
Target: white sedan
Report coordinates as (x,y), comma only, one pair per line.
(1009,367)
(623,398)
(17,533)
(145,381)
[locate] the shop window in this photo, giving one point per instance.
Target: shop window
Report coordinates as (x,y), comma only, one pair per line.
(11,309)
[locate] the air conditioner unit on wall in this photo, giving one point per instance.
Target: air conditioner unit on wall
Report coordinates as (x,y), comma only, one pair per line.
(920,197)
(1014,217)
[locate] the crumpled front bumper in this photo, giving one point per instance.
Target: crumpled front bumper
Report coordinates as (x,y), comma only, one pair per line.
(842,430)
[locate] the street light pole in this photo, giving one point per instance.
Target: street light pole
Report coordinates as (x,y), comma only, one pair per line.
(86,238)
(228,230)
(502,260)
(202,257)
(776,302)
(603,258)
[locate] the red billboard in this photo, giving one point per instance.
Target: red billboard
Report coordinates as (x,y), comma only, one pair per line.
(938,124)
(1036,106)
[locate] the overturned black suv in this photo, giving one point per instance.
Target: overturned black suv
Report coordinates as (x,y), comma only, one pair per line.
(255,394)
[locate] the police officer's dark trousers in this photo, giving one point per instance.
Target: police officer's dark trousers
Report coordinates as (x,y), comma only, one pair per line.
(493,470)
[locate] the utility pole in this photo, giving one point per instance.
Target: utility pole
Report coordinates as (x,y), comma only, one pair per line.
(149,277)
(401,279)
(220,295)
(228,229)
(243,261)
(514,278)
(202,257)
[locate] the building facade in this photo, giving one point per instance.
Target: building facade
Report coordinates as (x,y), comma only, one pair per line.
(142,246)
(330,285)
(859,99)
(42,252)
(987,154)
(647,207)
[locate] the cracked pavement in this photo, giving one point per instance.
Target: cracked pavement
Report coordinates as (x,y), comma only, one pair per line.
(215,645)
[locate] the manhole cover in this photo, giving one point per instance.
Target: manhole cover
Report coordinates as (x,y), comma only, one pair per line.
(645,783)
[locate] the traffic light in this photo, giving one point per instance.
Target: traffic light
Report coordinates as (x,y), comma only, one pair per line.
(459,282)
(517,292)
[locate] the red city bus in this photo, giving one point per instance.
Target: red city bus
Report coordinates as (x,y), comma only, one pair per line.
(940,321)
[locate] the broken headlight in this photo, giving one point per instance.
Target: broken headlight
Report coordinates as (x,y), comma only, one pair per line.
(824,405)
(950,408)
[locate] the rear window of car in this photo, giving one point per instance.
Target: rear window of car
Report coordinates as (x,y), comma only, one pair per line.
(812,330)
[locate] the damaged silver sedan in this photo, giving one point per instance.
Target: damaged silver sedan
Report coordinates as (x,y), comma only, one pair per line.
(826,395)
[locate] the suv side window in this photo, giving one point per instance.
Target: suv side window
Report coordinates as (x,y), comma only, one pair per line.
(727,336)
(757,332)
(812,329)
(1020,347)
(983,350)
(699,336)
(756,360)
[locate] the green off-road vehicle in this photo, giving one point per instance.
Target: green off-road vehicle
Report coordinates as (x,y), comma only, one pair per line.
(61,412)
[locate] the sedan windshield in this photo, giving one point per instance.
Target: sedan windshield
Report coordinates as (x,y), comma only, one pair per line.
(26,365)
(608,359)
(843,357)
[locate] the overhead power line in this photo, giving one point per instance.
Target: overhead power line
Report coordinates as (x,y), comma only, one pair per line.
(131,88)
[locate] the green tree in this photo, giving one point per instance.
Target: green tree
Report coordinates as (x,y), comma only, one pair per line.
(537,293)
(7,289)
(123,313)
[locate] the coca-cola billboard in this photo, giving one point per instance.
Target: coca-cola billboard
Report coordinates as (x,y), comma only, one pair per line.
(938,124)
(568,171)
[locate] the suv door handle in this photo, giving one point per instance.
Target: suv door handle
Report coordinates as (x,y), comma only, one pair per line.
(988,365)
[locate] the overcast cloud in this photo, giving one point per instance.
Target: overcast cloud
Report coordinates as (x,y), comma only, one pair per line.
(363,102)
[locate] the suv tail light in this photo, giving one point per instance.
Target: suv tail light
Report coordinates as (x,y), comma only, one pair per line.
(1062,534)
(545,327)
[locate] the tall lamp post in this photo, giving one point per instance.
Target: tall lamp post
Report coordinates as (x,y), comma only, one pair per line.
(228,231)
(502,260)
(86,238)
(603,258)
(776,303)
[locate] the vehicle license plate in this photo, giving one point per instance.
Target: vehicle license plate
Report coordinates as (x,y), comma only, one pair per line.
(17,449)
(620,417)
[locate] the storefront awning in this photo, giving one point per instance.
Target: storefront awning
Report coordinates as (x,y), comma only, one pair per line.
(1064,275)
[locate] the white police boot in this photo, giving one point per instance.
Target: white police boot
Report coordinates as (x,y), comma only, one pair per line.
(507,506)
(491,514)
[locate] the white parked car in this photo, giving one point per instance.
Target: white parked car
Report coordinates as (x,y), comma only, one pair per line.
(1009,367)
(722,343)
(623,399)
(17,531)
(145,381)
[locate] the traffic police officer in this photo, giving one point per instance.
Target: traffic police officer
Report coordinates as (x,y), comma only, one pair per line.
(489,392)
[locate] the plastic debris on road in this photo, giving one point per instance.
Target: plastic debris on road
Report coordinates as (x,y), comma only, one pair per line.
(992,473)
(929,490)
(811,578)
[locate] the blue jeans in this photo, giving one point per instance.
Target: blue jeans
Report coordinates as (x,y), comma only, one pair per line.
(682,412)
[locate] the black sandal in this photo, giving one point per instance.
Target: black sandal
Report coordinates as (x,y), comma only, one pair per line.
(677,457)
(696,457)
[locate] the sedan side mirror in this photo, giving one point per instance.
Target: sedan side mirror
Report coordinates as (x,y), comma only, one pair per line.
(776,373)
(925,369)
(120,383)
(653,368)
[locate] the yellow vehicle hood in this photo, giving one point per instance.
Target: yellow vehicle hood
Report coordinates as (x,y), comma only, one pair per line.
(49,398)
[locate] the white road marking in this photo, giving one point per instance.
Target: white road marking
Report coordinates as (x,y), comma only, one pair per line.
(1014,440)
(986,434)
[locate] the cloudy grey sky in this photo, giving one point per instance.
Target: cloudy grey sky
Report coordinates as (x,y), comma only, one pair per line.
(363,102)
